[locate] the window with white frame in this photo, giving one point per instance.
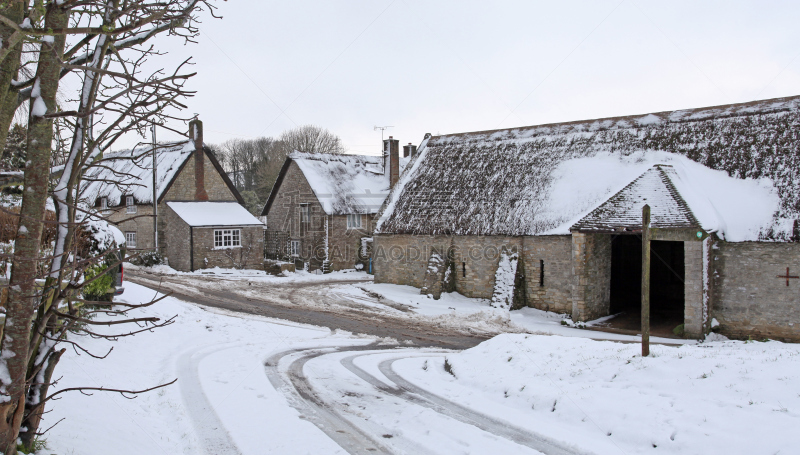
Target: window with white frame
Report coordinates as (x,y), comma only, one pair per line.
(294,247)
(130,239)
(130,204)
(104,203)
(227,238)
(354,221)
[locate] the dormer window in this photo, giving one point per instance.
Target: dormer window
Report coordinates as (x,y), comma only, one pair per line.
(104,203)
(130,204)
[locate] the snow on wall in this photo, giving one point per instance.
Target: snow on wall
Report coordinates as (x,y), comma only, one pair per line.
(132,170)
(505,276)
(345,184)
(504,182)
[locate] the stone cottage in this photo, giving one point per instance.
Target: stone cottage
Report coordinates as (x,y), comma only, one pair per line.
(120,188)
(320,213)
(563,204)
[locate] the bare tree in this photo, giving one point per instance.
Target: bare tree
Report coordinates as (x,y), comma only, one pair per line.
(310,139)
(104,44)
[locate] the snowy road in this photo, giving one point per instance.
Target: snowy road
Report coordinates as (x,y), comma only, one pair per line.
(349,391)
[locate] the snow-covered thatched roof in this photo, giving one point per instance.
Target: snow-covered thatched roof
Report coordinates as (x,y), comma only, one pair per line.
(130,173)
(198,214)
(726,161)
(343,184)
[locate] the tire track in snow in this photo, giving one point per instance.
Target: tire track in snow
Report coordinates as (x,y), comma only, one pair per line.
(305,400)
(419,396)
(214,438)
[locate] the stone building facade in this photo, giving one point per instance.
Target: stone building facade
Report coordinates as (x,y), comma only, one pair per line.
(122,192)
(321,211)
(568,198)
(191,239)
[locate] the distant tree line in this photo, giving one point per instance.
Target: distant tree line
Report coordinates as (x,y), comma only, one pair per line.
(254,164)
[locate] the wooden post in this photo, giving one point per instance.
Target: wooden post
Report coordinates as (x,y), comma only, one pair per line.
(645,280)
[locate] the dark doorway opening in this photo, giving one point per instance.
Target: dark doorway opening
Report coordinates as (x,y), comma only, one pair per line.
(666,284)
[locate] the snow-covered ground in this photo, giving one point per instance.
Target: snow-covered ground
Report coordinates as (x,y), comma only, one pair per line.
(603,397)
(252,385)
(222,391)
(455,309)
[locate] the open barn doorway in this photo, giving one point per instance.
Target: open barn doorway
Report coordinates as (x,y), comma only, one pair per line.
(666,285)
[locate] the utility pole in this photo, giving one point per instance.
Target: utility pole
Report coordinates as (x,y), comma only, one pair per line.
(645,280)
(382,128)
(155,188)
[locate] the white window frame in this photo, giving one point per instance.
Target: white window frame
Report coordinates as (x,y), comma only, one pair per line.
(227,238)
(104,203)
(130,239)
(354,221)
(130,204)
(294,248)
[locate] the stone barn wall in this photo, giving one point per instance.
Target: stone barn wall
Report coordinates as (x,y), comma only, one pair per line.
(748,297)
(554,293)
(403,258)
(476,259)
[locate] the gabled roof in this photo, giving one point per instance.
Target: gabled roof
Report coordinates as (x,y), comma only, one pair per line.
(543,179)
(624,209)
(198,214)
(130,173)
(343,184)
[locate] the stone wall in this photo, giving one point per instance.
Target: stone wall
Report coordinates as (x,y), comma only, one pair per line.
(178,240)
(343,243)
(284,214)
(476,259)
(248,256)
(183,186)
(402,259)
(748,298)
(694,316)
(591,275)
(554,292)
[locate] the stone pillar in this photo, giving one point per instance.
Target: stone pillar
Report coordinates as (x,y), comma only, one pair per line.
(591,271)
(693,292)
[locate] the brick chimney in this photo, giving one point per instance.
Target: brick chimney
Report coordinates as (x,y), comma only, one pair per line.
(409,150)
(196,135)
(391,160)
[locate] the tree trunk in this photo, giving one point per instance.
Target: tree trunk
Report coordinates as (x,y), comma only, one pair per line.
(9,68)
(22,298)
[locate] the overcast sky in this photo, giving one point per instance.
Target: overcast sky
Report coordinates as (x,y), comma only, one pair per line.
(456,66)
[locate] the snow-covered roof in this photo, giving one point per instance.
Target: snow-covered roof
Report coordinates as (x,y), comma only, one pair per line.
(544,179)
(197,214)
(344,184)
(130,173)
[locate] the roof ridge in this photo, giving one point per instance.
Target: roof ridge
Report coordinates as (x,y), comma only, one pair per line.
(659,114)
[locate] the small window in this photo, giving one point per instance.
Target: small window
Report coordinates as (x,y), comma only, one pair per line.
(541,273)
(294,248)
(227,238)
(305,213)
(130,239)
(130,204)
(104,203)
(464,269)
(354,221)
